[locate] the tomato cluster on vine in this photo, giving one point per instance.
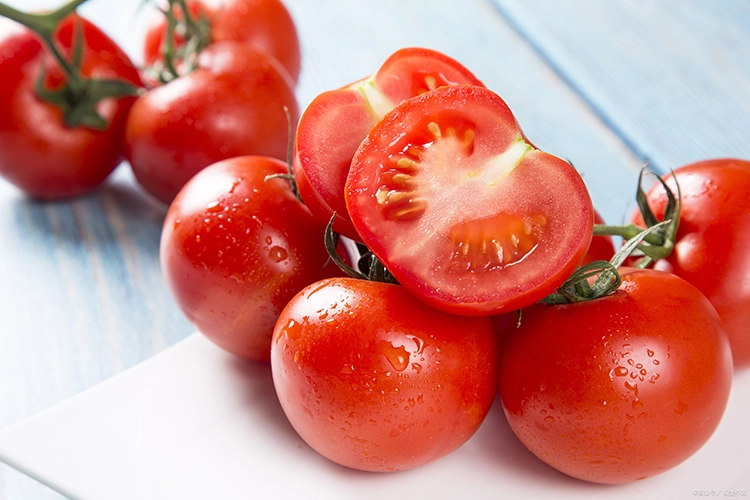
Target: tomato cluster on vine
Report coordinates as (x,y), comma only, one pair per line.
(416,255)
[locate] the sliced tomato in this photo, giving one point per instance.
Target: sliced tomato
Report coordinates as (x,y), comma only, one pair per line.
(336,122)
(466,214)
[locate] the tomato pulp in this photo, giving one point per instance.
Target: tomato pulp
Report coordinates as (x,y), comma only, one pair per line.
(470,217)
(335,123)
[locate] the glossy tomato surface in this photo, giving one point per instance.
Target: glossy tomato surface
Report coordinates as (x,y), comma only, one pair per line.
(466,214)
(235,248)
(231,105)
(39,153)
(375,380)
(619,388)
(712,241)
(335,123)
(265,25)
(601,247)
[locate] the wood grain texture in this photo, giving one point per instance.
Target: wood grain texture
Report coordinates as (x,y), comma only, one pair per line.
(671,78)
(606,85)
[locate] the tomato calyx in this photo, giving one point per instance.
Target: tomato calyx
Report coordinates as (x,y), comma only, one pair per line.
(78,96)
(194,29)
(659,243)
(369,267)
(600,278)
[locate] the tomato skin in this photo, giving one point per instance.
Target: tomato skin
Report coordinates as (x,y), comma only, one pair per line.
(336,121)
(235,248)
(619,388)
(445,188)
(39,153)
(231,105)
(264,25)
(712,241)
(374,380)
(601,247)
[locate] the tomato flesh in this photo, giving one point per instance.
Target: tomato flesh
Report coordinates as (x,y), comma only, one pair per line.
(335,123)
(450,196)
(375,380)
(619,388)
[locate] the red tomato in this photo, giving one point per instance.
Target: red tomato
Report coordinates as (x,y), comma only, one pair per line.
(235,248)
(622,387)
(601,247)
(466,214)
(335,123)
(375,380)
(231,105)
(265,25)
(712,241)
(39,153)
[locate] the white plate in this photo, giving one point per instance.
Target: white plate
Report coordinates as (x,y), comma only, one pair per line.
(197,423)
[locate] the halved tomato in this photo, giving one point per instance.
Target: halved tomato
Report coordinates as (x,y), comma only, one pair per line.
(466,214)
(335,122)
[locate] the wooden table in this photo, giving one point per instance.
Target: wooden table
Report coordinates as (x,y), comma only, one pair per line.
(610,85)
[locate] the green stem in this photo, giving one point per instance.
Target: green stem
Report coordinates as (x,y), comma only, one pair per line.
(627,232)
(45,26)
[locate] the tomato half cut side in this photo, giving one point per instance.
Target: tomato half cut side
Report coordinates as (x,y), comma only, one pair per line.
(466,214)
(335,123)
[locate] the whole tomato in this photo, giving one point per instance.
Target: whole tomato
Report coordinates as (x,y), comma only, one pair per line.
(712,240)
(40,152)
(375,380)
(232,104)
(236,247)
(265,25)
(622,387)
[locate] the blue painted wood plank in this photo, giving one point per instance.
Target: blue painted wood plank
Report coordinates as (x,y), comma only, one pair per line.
(671,78)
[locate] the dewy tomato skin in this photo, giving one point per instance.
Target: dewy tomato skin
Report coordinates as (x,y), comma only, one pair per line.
(235,248)
(374,380)
(619,388)
(39,153)
(712,241)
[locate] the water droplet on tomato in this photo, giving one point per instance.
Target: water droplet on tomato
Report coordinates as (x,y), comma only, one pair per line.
(292,330)
(620,371)
(214,206)
(398,357)
(277,254)
(633,387)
